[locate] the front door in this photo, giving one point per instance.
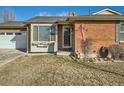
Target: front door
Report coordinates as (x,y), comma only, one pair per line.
(66,37)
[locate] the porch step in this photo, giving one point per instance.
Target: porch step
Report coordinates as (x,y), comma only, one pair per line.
(64,53)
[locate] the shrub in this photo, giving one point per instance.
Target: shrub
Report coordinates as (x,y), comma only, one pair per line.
(122,56)
(115,51)
(87,46)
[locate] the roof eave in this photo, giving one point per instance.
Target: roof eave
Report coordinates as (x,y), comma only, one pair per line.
(81,18)
(6,27)
(97,19)
(39,22)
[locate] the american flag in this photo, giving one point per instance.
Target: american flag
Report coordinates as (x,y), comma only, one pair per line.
(82,29)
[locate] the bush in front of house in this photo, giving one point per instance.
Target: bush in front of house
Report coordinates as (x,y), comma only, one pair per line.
(115,51)
(87,47)
(122,55)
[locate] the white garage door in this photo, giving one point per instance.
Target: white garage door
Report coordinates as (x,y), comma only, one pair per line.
(12,40)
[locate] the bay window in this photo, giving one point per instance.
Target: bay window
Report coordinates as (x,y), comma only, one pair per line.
(44,33)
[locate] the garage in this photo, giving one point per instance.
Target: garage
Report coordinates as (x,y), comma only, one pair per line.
(13,35)
(13,40)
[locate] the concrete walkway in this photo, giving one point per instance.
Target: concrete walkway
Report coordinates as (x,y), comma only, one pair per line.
(7,55)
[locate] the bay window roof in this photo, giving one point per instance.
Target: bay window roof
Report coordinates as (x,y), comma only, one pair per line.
(46,19)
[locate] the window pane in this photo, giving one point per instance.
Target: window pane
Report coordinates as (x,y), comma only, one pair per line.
(66,36)
(2,33)
(122,27)
(44,33)
(52,37)
(122,37)
(9,33)
(53,29)
(35,33)
(18,33)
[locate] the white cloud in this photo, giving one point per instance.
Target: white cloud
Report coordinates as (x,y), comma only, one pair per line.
(44,14)
(63,14)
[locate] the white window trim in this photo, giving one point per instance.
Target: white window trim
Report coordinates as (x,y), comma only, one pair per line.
(16,33)
(121,41)
(63,38)
(121,32)
(11,33)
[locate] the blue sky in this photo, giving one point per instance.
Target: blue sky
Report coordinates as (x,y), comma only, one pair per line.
(26,12)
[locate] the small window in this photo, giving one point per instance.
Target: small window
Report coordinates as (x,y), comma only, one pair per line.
(9,33)
(18,33)
(122,28)
(2,33)
(121,36)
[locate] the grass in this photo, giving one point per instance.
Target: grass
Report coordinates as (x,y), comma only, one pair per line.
(60,70)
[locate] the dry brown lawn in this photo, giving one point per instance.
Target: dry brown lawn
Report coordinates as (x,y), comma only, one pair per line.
(60,70)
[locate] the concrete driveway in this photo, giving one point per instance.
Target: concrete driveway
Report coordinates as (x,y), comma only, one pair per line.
(7,55)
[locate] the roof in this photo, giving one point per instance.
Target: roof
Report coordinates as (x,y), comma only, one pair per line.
(12,24)
(107,9)
(46,19)
(98,17)
(59,20)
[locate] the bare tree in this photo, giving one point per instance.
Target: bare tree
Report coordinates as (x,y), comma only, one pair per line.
(7,15)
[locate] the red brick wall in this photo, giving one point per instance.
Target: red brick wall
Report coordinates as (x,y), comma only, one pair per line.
(60,27)
(73,37)
(102,33)
(122,45)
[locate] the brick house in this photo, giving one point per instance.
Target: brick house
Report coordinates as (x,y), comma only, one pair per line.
(54,34)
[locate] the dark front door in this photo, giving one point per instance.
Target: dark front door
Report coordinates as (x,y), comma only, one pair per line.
(66,37)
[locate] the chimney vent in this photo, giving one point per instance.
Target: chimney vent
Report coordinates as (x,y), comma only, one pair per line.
(73,14)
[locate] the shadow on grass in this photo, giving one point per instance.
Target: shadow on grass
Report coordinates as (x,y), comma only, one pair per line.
(89,66)
(92,67)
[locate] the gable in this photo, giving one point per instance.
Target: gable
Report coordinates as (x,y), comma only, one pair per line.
(107,12)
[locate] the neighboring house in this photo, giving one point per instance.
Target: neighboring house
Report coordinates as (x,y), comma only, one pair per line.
(53,34)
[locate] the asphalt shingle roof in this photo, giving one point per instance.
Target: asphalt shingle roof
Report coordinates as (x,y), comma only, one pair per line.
(98,17)
(12,24)
(46,19)
(53,19)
